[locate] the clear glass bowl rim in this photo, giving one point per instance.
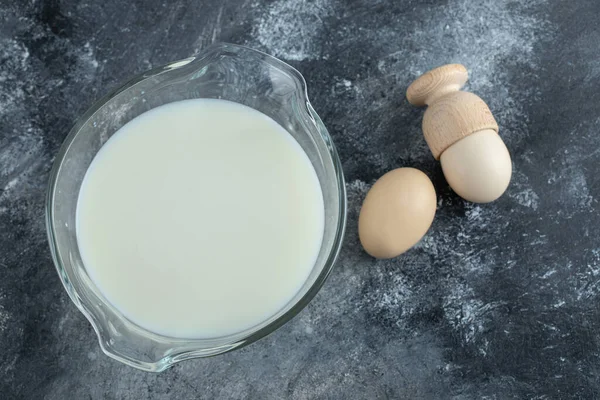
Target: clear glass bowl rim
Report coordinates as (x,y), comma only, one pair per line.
(80,302)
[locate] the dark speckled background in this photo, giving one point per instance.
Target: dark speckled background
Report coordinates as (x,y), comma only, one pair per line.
(499,301)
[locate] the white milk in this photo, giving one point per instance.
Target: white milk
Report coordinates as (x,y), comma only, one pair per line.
(200,218)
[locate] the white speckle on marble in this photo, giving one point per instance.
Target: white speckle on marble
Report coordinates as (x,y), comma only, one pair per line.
(573,192)
(577,191)
(13,56)
(586,282)
(548,274)
(521,191)
(11,184)
(586,46)
(463,313)
(397,298)
(527,198)
(559,304)
(88,57)
(474,213)
(19,156)
(290,28)
(428,243)
(468,315)
(4,315)
(358,186)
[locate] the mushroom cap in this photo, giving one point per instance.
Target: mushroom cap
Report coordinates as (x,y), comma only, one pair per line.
(436,83)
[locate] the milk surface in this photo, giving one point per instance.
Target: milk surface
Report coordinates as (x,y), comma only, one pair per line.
(200,219)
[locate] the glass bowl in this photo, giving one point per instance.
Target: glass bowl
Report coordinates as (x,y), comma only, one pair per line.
(223,71)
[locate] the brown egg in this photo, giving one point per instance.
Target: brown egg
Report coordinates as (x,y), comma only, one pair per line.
(396,213)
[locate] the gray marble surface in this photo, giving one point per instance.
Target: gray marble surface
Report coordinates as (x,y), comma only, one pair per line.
(499,301)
